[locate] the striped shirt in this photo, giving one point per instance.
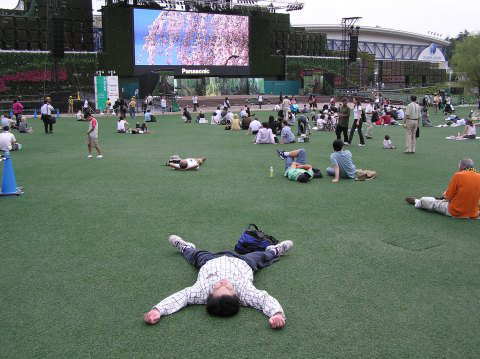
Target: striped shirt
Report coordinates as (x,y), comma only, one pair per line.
(237,272)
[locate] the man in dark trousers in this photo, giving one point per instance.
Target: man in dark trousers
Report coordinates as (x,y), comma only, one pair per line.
(224,283)
(343,119)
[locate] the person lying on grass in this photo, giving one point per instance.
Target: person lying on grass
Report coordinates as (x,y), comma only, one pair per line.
(187,164)
(462,197)
(224,283)
(296,167)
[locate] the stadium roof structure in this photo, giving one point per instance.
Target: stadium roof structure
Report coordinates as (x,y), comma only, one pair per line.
(218,5)
(381,32)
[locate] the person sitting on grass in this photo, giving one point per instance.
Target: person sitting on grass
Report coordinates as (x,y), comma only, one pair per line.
(342,164)
(462,197)
(470,132)
(387,143)
(236,125)
(200,117)
(265,135)
(224,283)
(254,126)
(149,117)
(286,136)
(8,142)
(122,125)
(187,164)
(296,167)
(6,121)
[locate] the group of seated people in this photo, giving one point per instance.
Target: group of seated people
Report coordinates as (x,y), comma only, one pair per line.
(342,166)
(21,125)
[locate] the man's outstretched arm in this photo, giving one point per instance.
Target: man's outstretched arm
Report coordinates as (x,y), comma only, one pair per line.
(264,302)
(175,302)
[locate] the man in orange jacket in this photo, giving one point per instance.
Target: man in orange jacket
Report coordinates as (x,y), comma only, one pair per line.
(462,197)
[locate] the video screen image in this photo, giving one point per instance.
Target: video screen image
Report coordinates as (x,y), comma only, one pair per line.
(165,38)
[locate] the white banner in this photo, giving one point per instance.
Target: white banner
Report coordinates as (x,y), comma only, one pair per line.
(113,92)
(432,54)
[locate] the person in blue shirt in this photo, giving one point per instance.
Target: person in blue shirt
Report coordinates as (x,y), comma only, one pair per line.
(342,163)
(286,135)
(149,117)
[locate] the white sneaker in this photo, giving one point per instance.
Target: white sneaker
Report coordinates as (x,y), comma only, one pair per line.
(179,243)
(89,156)
(281,248)
(99,156)
(361,145)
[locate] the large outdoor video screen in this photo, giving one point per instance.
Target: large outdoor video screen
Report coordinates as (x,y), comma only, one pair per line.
(175,38)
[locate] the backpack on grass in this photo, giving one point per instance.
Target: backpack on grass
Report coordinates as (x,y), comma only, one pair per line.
(253,239)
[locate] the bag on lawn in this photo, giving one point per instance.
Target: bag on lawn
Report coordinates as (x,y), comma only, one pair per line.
(253,239)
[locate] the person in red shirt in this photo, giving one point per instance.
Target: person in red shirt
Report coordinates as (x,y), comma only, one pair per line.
(462,197)
(17,111)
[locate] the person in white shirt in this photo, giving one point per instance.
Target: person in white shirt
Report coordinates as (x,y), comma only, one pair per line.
(46,112)
(470,130)
(260,101)
(149,101)
(6,122)
(265,135)
(229,117)
(8,142)
(400,114)
(357,122)
(387,143)
(217,117)
(224,283)
(195,103)
(254,126)
(243,113)
(368,118)
(188,164)
(286,107)
(92,135)
(163,105)
(122,126)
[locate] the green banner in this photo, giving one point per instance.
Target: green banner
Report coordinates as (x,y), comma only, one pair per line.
(101,93)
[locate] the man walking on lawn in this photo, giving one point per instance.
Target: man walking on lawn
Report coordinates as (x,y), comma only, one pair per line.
(92,136)
(224,283)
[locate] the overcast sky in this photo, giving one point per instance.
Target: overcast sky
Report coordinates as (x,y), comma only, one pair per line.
(446,17)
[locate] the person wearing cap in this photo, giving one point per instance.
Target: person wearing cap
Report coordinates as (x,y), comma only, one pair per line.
(412,116)
(70,105)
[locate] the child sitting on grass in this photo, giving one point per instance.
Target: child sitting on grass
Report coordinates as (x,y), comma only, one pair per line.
(387,143)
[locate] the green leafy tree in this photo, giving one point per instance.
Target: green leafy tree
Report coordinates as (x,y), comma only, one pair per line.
(466,59)
(453,42)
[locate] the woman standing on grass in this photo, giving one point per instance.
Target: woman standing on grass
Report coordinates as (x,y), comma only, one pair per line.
(357,122)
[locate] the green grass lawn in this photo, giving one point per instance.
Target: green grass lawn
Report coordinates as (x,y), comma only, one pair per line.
(84,252)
